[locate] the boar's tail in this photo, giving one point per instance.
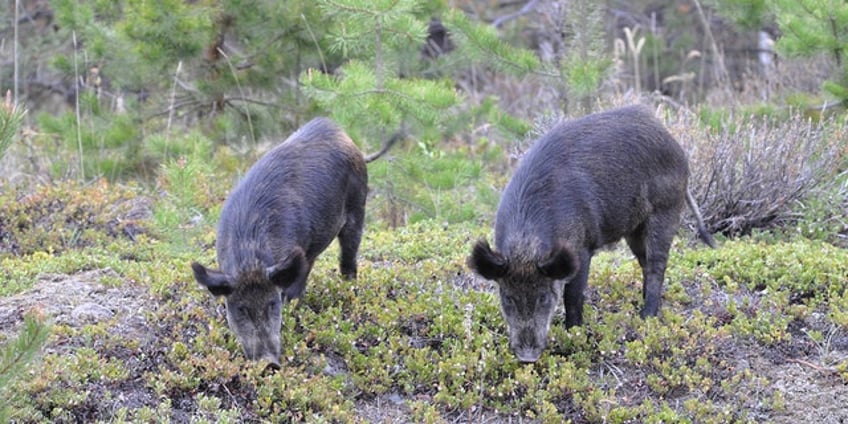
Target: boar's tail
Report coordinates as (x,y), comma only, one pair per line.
(400,135)
(702,229)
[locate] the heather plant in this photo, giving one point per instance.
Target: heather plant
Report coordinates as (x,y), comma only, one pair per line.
(54,218)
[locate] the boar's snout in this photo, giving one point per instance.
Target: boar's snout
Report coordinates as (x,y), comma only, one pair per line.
(264,347)
(527,345)
(528,356)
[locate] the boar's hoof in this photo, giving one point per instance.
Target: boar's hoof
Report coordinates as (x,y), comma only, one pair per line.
(272,367)
(647,312)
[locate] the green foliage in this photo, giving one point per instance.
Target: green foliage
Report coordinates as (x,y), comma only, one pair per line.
(189,189)
(104,145)
(798,270)
(420,186)
(586,62)
(810,27)
(749,14)
(145,67)
(481,43)
(367,107)
(363,28)
(368,95)
(11,118)
(15,357)
(167,29)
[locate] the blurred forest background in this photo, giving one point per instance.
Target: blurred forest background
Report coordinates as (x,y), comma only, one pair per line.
(130,90)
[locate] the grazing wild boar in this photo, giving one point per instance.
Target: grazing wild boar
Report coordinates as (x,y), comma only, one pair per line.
(285,211)
(587,183)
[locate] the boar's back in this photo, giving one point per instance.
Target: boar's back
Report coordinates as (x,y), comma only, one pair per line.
(602,175)
(295,195)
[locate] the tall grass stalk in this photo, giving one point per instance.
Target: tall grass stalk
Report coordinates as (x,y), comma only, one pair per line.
(241,92)
(15,52)
(77,109)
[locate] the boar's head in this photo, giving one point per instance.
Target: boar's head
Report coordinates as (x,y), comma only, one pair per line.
(254,301)
(529,293)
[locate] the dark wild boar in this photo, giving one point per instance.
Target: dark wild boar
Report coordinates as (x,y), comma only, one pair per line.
(285,211)
(587,183)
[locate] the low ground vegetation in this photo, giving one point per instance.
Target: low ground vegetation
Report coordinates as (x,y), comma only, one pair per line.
(750,332)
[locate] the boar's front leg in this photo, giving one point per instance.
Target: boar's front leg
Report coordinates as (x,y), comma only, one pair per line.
(573,293)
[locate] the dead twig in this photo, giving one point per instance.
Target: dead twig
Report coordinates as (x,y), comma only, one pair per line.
(523,11)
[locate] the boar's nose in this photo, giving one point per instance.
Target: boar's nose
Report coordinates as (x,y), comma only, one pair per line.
(528,355)
(527,349)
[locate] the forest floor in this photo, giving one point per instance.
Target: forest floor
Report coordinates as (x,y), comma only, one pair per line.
(753,331)
(795,371)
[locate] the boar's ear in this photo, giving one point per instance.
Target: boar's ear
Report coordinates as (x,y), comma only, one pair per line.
(562,264)
(489,264)
(216,281)
(288,270)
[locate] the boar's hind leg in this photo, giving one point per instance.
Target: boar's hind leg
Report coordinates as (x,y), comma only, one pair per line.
(572,294)
(349,239)
(650,244)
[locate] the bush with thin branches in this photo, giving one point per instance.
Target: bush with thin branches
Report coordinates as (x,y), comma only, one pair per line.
(764,172)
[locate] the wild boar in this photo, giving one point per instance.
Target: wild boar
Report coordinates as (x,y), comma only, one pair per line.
(587,183)
(286,210)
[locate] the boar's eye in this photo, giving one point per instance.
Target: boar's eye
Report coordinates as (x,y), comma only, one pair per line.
(274,307)
(543,301)
(508,303)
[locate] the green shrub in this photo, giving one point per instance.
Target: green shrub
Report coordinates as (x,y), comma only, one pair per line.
(67,215)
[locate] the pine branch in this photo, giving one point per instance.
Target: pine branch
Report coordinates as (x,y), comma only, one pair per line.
(18,353)
(11,118)
(483,44)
